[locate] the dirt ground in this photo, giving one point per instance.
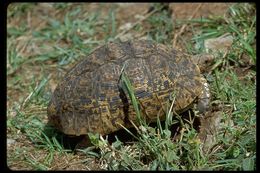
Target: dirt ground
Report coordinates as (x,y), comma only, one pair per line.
(126,13)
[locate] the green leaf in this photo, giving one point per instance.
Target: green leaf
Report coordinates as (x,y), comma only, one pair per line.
(127,87)
(248,164)
(117,144)
(154,165)
(167,133)
(12,31)
(170,156)
(94,138)
(54,23)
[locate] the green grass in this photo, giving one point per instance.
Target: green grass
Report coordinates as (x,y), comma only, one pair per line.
(38,57)
(161,29)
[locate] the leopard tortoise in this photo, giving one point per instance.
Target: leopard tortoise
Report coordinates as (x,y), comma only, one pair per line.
(89,98)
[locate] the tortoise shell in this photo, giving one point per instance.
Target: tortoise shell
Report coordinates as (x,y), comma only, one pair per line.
(89,98)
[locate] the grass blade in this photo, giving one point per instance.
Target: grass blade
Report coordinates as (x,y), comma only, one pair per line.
(127,87)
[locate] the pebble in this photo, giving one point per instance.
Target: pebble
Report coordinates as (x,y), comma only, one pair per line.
(10,142)
(219,44)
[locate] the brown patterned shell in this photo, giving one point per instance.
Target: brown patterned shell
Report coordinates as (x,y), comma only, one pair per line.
(89,98)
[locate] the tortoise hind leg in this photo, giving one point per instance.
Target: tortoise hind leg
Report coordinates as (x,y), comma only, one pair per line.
(83,143)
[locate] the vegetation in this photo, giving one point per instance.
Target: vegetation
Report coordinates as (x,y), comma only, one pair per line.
(41,49)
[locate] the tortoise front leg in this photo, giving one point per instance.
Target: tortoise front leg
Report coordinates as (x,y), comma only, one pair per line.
(204,98)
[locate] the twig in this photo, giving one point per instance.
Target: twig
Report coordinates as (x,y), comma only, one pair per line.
(218,63)
(185,25)
(136,23)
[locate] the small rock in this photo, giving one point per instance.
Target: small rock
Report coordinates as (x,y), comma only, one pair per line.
(10,142)
(126,26)
(126,37)
(219,44)
(125,4)
(140,17)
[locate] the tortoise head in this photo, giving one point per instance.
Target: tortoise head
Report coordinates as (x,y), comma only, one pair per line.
(204,61)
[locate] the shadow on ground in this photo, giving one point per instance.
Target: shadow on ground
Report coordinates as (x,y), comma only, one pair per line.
(71,142)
